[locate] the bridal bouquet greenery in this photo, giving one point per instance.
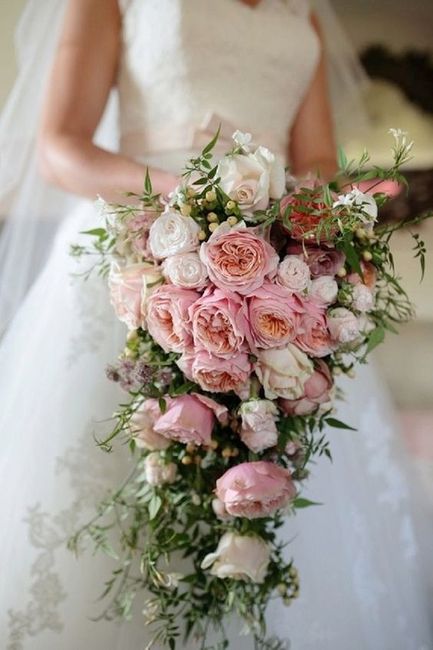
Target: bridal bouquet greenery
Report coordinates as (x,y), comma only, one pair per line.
(245,294)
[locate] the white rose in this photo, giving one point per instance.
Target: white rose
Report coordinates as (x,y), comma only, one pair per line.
(141,427)
(158,472)
(324,289)
(363,204)
(277,171)
(185,270)
(362,298)
(252,179)
(172,233)
(259,431)
(343,325)
(239,557)
(283,371)
(294,274)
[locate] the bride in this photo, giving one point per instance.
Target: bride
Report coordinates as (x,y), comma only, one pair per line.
(257,65)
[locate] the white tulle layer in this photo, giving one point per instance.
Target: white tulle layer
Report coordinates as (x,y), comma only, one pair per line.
(362,573)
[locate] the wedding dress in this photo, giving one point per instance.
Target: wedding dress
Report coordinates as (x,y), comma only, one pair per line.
(358,557)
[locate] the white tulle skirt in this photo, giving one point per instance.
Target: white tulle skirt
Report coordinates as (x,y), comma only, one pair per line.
(362,570)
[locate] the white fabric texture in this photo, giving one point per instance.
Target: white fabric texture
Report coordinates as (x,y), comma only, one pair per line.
(359,560)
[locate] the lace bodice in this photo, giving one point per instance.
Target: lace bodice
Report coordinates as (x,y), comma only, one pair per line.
(184,60)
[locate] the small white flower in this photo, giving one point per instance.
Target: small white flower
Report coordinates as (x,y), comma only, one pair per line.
(364,205)
(243,140)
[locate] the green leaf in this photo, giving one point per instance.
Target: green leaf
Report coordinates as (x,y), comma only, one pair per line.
(101,233)
(147,182)
(301,502)
(375,338)
(212,143)
(337,424)
(351,254)
(162,405)
(154,506)
(342,158)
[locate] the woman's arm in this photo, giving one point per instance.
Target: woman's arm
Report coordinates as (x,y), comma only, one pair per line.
(312,145)
(83,74)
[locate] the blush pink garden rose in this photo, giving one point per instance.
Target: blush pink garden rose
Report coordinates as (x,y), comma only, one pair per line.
(254,490)
(190,418)
(259,429)
(130,286)
(167,317)
(185,270)
(317,392)
(294,274)
(313,336)
(219,323)
(216,374)
(321,261)
(237,259)
(240,557)
(141,426)
(283,371)
(274,316)
(343,325)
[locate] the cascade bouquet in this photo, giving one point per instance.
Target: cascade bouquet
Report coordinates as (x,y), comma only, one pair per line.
(244,294)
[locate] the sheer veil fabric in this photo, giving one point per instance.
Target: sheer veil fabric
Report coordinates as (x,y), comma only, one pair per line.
(30,210)
(361,565)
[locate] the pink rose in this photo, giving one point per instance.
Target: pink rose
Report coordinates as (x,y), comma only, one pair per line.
(189,418)
(324,290)
(259,431)
(167,317)
(306,212)
(321,261)
(129,288)
(313,336)
(283,371)
(255,490)
(185,270)
(274,316)
(216,374)
(237,259)
(142,424)
(317,391)
(343,325)
(294,274)
(219,323)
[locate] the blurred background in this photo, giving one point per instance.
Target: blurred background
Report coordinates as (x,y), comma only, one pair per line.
(394,41)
